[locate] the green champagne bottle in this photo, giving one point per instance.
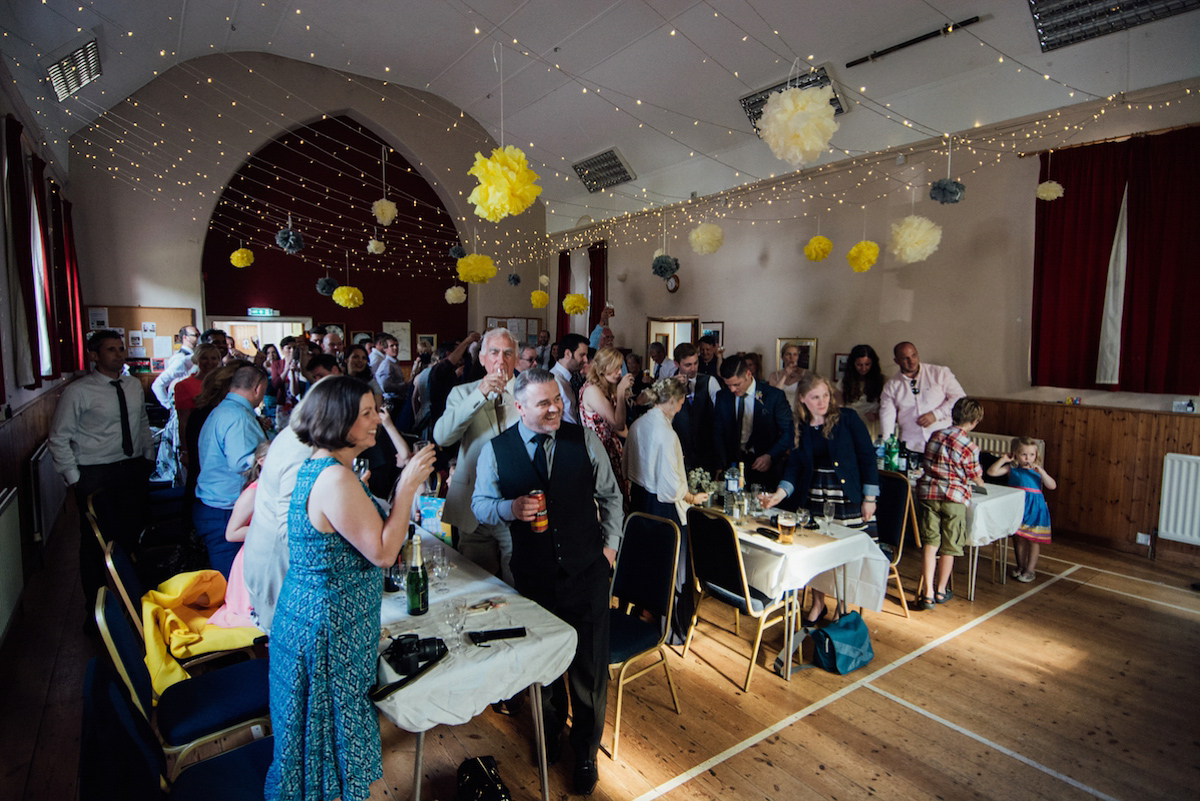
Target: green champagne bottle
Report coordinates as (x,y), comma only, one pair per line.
(418,577)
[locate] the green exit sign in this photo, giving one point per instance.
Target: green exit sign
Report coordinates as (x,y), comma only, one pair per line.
(260,311)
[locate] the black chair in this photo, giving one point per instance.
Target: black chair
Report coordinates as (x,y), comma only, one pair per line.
(190,713)
(119,759)
(895,521)
(644,581)
(720,574)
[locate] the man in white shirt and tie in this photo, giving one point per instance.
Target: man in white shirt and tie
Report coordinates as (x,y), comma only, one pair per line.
(662,366)
(573,355)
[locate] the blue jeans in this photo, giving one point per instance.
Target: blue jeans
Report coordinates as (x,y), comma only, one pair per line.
(210,525)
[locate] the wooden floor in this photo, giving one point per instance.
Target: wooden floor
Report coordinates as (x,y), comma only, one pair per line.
(1083,684)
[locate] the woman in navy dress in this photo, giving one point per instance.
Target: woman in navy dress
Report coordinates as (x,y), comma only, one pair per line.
(324,640)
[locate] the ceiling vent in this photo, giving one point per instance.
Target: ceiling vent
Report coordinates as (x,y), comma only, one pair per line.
(1066,22)
(753,103)
(604,170)
(73,66)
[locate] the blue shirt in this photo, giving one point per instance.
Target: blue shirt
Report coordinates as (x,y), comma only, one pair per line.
(227,444)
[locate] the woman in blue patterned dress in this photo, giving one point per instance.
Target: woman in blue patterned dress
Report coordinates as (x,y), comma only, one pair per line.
(326,628)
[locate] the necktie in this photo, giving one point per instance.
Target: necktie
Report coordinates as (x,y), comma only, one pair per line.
(500,413)
(126,434)
(540,465)
(691,393)
(657,367)
(741,412)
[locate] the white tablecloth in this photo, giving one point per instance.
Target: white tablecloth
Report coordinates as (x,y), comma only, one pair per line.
(773,569)
(465,682)
(995,515)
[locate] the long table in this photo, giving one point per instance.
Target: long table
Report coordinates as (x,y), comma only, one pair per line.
(470,678)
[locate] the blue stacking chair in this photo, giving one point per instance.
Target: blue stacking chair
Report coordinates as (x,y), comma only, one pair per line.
(190,713)
(119,759)
(644,580)
(721,575)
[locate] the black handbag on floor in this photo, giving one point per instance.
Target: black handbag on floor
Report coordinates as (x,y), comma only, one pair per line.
(478,780)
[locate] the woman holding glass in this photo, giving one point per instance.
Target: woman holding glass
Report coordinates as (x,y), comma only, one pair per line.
(833,465)
(658,481)
(326,626)
(603,404)
(789,377)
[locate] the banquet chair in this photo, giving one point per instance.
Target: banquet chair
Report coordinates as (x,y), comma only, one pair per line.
(720,575)
(895,519)
(644,581)
(191,713)
(119,758)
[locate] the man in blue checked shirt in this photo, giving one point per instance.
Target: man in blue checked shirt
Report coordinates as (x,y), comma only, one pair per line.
(227,444)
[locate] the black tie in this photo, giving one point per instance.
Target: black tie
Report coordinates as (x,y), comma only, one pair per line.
(741,413)
(126,434)
(657,367)
(540,465)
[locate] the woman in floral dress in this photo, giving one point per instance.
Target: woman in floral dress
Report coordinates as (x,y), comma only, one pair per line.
(602,407)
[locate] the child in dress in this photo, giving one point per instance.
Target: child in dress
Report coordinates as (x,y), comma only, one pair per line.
(237,611)
(1024,472)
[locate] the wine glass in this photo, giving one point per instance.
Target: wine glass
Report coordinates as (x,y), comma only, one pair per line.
(827,514)
(802,517)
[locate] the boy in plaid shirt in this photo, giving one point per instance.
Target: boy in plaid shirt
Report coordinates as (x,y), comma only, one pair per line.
(951,466)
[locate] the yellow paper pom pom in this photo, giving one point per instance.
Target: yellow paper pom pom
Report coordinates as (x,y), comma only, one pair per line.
(350,297)
(456,295)
(706,238)
(798,124)
(818,248)
(575,304)
(506,184)
(863,255)
(375,247)
(476,269)
(1049,190)
(914,239)
(539,299)
(242,257)
(384,211)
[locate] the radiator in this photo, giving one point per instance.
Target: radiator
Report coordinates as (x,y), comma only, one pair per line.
(11,576)
(1002,443)
(1179,509)
(49,493)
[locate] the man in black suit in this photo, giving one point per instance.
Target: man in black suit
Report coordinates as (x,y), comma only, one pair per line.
(753,424)
(694,422)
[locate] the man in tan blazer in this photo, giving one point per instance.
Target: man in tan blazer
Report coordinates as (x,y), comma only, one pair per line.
(476,412)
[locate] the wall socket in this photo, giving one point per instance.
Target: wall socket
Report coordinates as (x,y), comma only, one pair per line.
(1143,539)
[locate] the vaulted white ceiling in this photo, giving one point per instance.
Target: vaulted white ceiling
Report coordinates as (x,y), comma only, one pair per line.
(521,68)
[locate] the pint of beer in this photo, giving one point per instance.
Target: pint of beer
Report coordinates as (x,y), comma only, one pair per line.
(787,528)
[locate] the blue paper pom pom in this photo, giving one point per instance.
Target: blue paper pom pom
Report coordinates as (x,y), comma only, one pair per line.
(665,266)
(458,252)
(945,190)
(290,240)
(327,285)
(514,279)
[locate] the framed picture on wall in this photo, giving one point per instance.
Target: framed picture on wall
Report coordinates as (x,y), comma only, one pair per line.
(361,337)
(714,329)
(428,339)
(839,366)
(808,351)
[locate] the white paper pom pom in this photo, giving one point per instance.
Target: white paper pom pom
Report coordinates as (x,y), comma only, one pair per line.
(657,253)
(456,294)
(544,280)
(375,247)
(1049,190)
(798,124)
(384,211)
(914,239)
(706,238)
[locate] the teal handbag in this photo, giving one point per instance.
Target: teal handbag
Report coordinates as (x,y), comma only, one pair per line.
(843,646)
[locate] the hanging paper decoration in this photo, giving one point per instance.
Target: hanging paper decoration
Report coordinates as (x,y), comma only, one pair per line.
(575,304)
(289,239)
(456,295)
(351,297)
(665,266)
(506,184)
(1049,190)
(818,248)
(384,210)
(476,269)
(242,257)
(544,280)
(863,256)
(798,124)
(706,238)
(539,299)
(514,279)
(375,247)
(915,238)
(457,252)
(326,285)
(944,190)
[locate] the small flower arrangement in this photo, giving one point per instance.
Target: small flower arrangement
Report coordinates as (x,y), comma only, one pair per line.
(700,481)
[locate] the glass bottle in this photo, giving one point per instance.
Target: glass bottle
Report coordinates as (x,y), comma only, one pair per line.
(890,450)
(418,578)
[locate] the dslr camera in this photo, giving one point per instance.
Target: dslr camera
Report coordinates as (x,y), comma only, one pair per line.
(407,653)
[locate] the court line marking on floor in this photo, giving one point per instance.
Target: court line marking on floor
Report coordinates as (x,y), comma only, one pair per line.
(815,706)
(1043,557)
(993,745)
(1143,598)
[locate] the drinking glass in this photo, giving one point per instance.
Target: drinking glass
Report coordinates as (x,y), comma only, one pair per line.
(787,528)
(828,513)
(802,517)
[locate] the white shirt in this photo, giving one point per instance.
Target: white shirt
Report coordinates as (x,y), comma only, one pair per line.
(87,424)
(747,412)
(667,369)
(654,460)
(178,366)
(570,399)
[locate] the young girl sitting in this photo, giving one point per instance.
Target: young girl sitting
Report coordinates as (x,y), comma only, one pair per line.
(1025,473)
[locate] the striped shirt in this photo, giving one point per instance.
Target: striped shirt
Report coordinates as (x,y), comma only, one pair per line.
(951,465)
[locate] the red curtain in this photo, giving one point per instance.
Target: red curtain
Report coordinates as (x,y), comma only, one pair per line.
(1072,246)
(1159,345)
(564,287)
(38,170)
(18,203)
(73,324)
(597,281)
(66,294)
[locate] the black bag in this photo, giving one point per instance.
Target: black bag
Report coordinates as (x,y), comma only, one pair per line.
(478,780)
